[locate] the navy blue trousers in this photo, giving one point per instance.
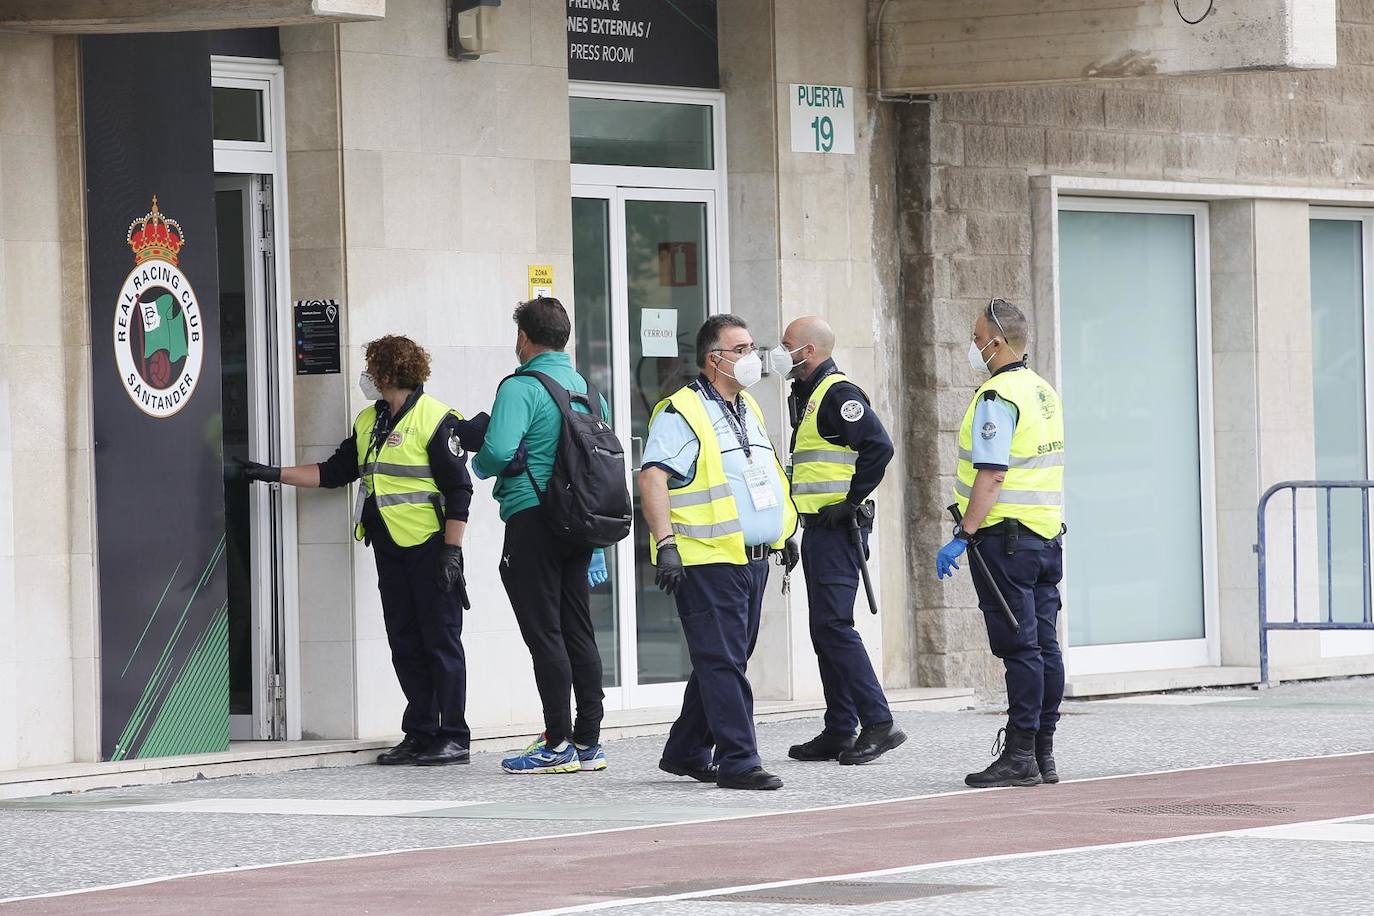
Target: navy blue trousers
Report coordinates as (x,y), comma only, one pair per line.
(719,606)
(853,696)
(424,627)
(1029,580)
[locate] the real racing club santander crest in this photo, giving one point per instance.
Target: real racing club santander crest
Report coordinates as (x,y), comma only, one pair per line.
(159,339)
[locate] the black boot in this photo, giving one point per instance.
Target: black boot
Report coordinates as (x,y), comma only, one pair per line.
(404,752)
(1015,764)
(825,746)
(757,778)
(873,742)
(1044,756)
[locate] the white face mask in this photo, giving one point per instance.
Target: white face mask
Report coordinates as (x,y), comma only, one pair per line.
(975,356)
(369,387)
(781,360)
(747,369)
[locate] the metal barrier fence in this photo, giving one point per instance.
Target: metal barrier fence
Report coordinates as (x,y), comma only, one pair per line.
(1266,625)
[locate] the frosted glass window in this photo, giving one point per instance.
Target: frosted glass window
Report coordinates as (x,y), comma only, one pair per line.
(1338,395)
(1133,497)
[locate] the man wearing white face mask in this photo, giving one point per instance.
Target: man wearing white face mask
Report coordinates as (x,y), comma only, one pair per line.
(718,504)
(412,508)
(1010,491)
(839,452)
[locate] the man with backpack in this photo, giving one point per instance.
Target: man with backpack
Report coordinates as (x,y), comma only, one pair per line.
(552,528)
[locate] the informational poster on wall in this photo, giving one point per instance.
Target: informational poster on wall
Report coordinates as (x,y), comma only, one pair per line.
(317,337)
(654,42)
(155,382)
(822,118)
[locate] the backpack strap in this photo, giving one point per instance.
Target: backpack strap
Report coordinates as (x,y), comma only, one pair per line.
(565,397)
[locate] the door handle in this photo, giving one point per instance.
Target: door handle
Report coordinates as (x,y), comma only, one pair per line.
(636,451)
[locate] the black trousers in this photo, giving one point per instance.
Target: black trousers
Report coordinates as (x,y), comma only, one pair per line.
(853,696)
(546,580)
(719,605)
(424,627)
(1029,580)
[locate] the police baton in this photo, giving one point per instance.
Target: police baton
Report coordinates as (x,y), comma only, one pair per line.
(982,566)
(855,535)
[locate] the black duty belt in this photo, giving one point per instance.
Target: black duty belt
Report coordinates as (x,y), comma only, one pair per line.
(758,551)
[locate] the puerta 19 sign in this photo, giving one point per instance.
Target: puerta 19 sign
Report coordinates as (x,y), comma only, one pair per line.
(654,42)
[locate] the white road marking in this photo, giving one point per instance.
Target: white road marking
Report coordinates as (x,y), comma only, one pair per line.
(1316,826)
(1322,831)
(1174,699)
(328,807)
(636,827)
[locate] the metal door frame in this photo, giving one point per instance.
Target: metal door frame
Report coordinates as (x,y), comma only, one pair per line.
(276,671)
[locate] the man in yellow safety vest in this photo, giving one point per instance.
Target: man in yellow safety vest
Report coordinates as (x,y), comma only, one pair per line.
(1010,491)
(839,452)
(716,500)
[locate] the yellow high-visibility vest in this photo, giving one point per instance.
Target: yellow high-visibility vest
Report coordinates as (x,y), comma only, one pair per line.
(396,472)
(704,516)
(1033,491)
(821,470)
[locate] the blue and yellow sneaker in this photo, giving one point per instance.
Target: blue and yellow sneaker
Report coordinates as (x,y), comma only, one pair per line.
(591,758)
(540,758)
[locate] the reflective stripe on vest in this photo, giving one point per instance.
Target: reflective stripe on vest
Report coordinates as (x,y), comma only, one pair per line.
(703,513)
(1033,491)
(821,470)
(397,474)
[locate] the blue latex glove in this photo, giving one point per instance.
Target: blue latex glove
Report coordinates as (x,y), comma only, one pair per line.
(596,573)
(944,560)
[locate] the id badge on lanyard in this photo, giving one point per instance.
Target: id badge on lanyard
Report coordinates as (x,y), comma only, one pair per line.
(759,478)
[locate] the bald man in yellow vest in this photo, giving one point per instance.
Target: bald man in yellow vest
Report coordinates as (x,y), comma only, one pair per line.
(839,453)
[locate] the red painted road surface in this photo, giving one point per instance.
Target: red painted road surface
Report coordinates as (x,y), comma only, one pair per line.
(543,874)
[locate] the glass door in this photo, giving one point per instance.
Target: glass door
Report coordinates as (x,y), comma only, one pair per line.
(644,266)
(1135,360)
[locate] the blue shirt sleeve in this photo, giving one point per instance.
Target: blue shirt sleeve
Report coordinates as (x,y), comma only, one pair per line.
(994,423)
(671,446)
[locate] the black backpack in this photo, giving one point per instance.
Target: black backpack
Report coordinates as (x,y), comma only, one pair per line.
(587,501)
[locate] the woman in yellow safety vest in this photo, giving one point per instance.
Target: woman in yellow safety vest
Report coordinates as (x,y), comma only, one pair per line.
(412,508)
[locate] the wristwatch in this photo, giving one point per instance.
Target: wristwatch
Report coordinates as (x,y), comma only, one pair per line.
(961,535)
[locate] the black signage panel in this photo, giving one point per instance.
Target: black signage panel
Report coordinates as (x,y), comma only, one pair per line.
(655,42)
(317,337)
(155,387)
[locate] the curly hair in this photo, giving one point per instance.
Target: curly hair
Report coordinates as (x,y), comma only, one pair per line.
(394,361)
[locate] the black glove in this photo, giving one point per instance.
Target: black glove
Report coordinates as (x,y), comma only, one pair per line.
(261,472)
(451,573)
(791,555)
(472,432)
(839,515)
(669,572)
(518,463)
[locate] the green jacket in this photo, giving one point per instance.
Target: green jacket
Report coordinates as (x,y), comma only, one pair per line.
(524,412)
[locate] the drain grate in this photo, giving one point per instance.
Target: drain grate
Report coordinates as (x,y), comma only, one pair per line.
(845,893)
(1205,809)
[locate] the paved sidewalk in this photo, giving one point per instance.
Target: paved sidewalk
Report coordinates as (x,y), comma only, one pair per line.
(108,837)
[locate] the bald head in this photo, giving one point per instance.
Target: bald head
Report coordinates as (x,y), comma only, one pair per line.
(813,330)
(810,341)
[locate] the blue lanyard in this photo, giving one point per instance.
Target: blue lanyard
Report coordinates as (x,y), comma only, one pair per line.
(734,416)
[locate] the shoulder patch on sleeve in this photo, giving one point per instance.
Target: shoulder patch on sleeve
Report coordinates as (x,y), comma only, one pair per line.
(455,448)
(852,411)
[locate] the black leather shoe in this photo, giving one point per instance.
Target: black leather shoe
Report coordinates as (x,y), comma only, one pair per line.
(1015,764)
(757,778)
(441,753)
(707,773)
(1044,757)
(825,746)
(873,742)
(404,752)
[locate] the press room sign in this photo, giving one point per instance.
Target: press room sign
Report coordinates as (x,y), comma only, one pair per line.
(822,118)
(655,42)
